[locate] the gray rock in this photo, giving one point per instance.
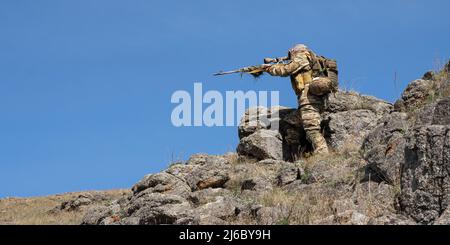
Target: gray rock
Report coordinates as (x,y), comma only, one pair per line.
(297,186)
(209,220)
(263,144)
(95,215)
(205,196)
(80,202)
(257,118)
(254,120)
(180,170)
(429,75)
(414,152)
(347,119)
(259,184)
(162,183)
(444,219)
(425,176)
(351,217)
(205,159)
(425,171)
(391,219)
(415,95)
(437,113)
(75,204)
(271,162)
(384,148)
(156,208)
(349,127)
(351,101)
(288,175)
(210,173)
(130,221)
(223,208)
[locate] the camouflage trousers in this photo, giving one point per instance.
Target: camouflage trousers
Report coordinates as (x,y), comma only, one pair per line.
(310,107)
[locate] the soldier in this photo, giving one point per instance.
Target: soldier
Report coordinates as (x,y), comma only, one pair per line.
(312,78)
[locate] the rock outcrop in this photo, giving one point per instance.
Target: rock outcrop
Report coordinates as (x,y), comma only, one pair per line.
(425,171)
(410,149)
(175,196)
(276,133)
(390,165)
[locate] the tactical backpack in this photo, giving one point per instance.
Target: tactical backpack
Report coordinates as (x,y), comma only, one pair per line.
(323,67)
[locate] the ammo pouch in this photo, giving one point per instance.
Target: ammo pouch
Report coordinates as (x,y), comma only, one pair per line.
(320,86)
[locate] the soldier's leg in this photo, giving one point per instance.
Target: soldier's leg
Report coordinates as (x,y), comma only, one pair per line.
(310,107)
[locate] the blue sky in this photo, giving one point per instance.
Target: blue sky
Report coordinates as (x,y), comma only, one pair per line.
(85,85)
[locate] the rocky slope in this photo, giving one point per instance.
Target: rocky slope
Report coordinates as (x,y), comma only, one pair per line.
(390,165)
(60,209)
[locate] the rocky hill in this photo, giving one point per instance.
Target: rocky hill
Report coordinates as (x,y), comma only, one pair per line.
(390,164)
(60,209)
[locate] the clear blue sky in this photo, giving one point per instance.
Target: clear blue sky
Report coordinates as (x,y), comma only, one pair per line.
(85,85)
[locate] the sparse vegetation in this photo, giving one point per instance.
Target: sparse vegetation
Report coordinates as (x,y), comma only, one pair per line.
(334,177)
(39,210)
(440,82)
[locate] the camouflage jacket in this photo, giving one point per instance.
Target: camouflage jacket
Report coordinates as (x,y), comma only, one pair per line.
(303,68)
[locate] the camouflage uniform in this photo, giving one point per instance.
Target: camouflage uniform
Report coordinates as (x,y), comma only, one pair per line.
(304,70)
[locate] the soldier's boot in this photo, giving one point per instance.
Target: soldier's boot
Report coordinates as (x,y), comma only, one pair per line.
(318,142)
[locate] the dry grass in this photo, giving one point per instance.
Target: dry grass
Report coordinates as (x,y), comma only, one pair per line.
(36,211)
(303,207)
(336,177)
(249,171)
(441,82)
(444,78)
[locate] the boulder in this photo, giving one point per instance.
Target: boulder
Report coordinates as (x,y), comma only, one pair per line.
(384,148)
(349,128)
(263,144)
(162,183)
(156,208)
(205,196)
(257,118)
(259,184)
(425,178)
(95,215)
(415,95)
(223,208)
(351,101)
(81,202)
(201,171)
(209,172)
(425,172)
(288,175)
(444,219)
(349,117)
(277,132)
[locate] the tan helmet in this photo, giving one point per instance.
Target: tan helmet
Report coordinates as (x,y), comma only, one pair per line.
(297,49)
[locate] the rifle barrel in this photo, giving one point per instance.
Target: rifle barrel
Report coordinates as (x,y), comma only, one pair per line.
(225,73)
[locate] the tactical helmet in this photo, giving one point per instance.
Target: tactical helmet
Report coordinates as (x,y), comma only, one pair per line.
(297,49)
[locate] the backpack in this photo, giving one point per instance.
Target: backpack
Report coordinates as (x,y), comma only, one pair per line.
(324,67)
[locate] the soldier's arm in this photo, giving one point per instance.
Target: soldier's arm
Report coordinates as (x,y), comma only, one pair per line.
(283,70)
